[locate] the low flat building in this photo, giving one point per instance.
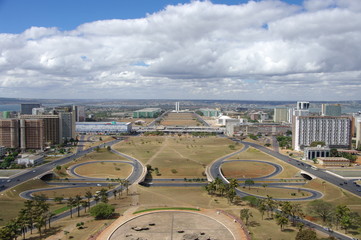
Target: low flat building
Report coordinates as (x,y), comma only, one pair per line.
(333,161)
(261,129)
(147,113)
(30,160)
(103,127)
(316,152)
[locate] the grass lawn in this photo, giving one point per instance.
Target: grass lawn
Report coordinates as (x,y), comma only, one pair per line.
(246,169)
(276,192)
(70,192)
(289,171)
(180,119)
(105,170)
(9,173)
(177,157)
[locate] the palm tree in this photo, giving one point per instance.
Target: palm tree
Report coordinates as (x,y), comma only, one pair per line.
(96,199)
(88,195)
(249,182)
(233,183)
(77,202)
(40,221)
(245,214)
(115,193)
(103,195)
(217,182)
(271,204)
(84,204)
(281,220)
(231,194)
(29,214)
(126,185)
(50,216)
(70,204)
(262,208)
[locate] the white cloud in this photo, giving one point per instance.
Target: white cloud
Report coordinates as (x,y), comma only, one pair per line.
(259,50)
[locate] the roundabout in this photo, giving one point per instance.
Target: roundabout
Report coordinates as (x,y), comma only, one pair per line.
(215,171)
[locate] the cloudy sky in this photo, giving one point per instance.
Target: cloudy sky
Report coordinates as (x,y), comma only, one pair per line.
(243,50)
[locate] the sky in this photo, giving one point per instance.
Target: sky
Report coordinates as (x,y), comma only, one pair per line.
(154,49)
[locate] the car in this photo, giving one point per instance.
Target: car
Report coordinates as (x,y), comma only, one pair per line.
(34,171)
(341,184)
(359,190)
(99,185)
(8,180)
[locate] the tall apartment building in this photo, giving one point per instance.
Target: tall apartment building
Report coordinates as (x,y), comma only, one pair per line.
(331,110)
(51,129)
(358,133)
(9,133)
(335,132)
(79,112)
(32,134)
(280,115)
(26,108)
(67,125)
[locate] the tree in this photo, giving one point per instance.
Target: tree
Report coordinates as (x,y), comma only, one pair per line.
(271,205)
(249,182)
(281,220)
(102,211)
(262,208)
(58,200)
(70,204)
(245,214)
(88,195)
(321,208)
(231,194)
(103,195)
(77,202)
(341,211)
(126,185)
(306,234)
(84,204)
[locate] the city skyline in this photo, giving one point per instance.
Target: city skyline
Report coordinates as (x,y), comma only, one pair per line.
(264,50)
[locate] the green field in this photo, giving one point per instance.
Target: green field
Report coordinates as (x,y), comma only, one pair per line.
(177,157)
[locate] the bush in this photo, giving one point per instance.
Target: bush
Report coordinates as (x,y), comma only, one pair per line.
(102,211)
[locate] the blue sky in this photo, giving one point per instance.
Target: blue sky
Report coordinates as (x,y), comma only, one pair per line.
(243,50)
(18,15)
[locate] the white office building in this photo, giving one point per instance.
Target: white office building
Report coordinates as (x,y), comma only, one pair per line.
(280,115)
(335,132)
(103,127)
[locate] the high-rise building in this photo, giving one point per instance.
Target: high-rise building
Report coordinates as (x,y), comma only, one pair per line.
(67,125)
(331,110)
(335,132)
(302,109)
(9,133)
(32,134)
(51,129)
(79,112)
(26,108)
(358,133)
(280,115)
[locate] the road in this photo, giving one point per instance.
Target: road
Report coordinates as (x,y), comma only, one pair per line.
(42,169)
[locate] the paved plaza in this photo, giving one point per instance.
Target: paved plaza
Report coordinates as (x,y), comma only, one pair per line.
(174,225)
